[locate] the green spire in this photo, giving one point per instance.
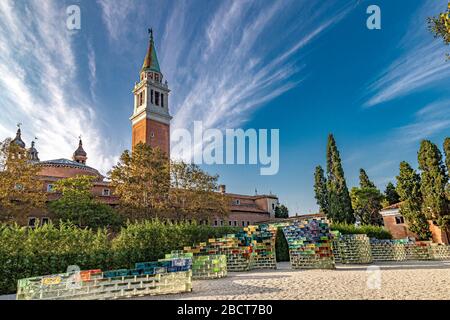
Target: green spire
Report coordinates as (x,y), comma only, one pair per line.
(151,60)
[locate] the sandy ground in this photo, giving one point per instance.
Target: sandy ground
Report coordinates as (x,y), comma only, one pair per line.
(401,280)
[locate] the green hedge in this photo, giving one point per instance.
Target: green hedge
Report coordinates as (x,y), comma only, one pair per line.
(371,231)
(281,246)
(51,249)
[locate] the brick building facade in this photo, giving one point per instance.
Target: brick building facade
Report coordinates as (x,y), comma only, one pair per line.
(398,227)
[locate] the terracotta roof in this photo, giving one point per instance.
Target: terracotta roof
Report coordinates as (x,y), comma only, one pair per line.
(392,206)
(258,196)
(244,208)
(68,163)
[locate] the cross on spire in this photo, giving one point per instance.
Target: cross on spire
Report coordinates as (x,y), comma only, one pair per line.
(150,32)
(19,125)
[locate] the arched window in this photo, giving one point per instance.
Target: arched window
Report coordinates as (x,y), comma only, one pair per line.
(157,98)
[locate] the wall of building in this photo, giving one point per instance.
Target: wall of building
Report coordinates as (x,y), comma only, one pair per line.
(398,231)
(240,219)
(153,133)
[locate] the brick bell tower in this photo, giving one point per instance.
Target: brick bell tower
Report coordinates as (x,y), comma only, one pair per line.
(151,119)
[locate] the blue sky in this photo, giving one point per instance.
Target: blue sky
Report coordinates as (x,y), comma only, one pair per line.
(307,68)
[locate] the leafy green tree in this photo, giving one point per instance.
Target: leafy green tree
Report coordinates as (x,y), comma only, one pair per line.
(408,188)
(339,202)
(77,204)
(320,189)
(281,211)
(141,180)
(21,191)
(150,186)
(193,193)
(366,201)
(364,180)
(433,183)
(440,26)
(391,194)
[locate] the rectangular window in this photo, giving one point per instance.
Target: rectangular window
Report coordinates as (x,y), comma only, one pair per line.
(229,223)
(221,223)
(162,100)
(106,192)
(151,96)
(235,223)
(50,188)
(399,220)
(216,223)
(32,222)
(248,223)
(243,223)
(45,220)
(157,98)
(156,77)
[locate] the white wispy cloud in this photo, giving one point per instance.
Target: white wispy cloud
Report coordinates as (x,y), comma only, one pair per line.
(430,120)
(422,64)
(92,65)
(115,15)
(38,85)
(222,69)
(240,67)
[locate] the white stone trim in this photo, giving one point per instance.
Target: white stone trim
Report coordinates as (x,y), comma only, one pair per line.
(163,118)
(390,212)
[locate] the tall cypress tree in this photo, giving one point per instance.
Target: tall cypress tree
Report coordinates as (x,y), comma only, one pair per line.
(320,189)
(447,162)
(408,188)
(391,194)
(433,182)
(364,181)
(447,153)
(339,202)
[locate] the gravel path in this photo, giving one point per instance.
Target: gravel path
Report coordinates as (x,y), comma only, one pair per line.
(400,280)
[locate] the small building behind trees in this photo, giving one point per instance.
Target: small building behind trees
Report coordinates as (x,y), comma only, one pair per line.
(397,225)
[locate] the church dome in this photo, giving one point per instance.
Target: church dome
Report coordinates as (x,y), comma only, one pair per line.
(80,155)
(65,168)
(33,153)
(18,139)
(80,151)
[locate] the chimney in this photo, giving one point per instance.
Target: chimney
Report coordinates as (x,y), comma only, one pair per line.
(222,188)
